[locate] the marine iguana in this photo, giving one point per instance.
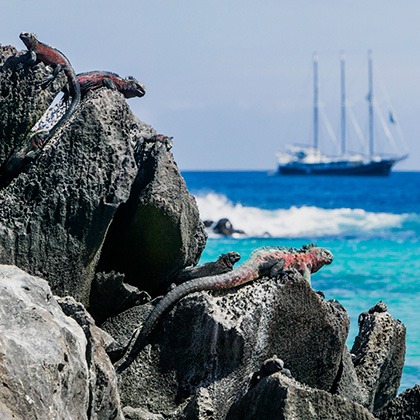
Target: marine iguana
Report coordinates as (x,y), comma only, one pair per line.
(265,261)
(93,80)
(48,55)
(40,52)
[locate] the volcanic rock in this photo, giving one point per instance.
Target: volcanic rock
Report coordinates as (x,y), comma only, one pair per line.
(405,407)
(379,351)
(279,397)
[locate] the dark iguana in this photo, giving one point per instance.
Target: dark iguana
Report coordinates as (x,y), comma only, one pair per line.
(40,52)
(266,261)
(93,80)
(48,55)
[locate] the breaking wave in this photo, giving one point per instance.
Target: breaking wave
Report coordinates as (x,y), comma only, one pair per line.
(307,221)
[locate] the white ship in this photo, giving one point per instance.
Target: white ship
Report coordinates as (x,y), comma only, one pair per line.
(309,160)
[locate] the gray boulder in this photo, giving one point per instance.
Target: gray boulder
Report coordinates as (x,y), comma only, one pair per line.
(212,343)
(104,401)
(378,356)
(49,367)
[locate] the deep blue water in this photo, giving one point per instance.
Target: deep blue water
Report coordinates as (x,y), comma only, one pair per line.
(372,226)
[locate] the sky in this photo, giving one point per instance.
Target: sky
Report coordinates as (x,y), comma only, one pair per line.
(231,81)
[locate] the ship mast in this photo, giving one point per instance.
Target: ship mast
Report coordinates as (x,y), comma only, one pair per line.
(370,99)
(316,101)
(343,104)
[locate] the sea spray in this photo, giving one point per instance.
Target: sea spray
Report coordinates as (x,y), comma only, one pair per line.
(304,221)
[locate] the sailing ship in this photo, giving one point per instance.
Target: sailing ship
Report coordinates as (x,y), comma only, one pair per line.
(309,160)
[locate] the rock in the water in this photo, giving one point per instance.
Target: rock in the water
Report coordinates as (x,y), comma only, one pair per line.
(378,356)
(226,338)
(405,407)
(43,369)
(280,397)
(224,227)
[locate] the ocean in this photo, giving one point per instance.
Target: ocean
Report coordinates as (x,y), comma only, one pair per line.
(371,224)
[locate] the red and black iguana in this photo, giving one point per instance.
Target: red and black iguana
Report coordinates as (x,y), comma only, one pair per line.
(40,52)
(93,80)
(265,261)
(48,55)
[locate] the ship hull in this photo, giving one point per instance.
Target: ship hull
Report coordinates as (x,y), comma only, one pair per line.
(381,168)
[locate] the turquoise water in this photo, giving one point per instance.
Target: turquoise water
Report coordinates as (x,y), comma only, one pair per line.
(372,226)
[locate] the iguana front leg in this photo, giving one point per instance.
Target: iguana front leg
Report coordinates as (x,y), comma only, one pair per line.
(108,83)
(32,57)
(48,80)
(277,268)
(306,273)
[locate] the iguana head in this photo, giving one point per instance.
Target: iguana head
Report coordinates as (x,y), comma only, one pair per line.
(319,257)
(133,88)
(28,39)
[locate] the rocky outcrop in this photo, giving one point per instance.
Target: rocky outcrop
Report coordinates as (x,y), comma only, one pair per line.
(56,216)
(150,257)
(226,338)
(50,367)
(378,355)
(53,219)
(405,407)
(279,397)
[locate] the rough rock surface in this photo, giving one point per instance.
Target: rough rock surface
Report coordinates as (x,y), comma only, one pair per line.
(110,296)
(226,338)
(280,397)
(379,352)
(159,198)
(405,407)
(347,384)
(104,401)
(43,369)
(53,218)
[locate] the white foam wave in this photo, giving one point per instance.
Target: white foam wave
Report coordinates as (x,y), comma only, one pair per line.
(297,222)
